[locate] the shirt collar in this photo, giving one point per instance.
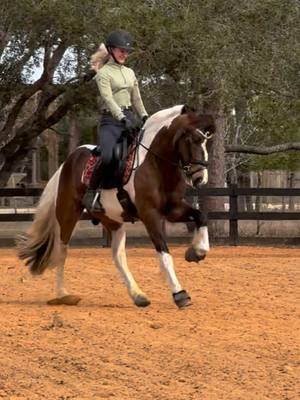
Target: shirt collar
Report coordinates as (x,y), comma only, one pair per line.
(111,61)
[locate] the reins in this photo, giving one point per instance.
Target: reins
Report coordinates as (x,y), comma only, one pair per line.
(186,167)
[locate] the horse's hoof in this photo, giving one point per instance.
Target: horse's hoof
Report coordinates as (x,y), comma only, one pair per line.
(141,301)
(182,299)
(69,300)
(192,256)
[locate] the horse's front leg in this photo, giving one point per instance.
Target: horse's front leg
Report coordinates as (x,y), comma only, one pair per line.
(183,212)
(119,256)
(153,223)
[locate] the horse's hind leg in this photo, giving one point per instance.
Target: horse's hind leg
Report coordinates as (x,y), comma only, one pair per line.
(67,222)
(119,256)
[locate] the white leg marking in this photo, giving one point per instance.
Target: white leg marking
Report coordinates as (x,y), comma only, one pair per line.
(119,257)
(200,241)
(60,269)
(167,268)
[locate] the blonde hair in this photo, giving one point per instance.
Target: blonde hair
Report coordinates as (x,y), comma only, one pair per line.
(99,58)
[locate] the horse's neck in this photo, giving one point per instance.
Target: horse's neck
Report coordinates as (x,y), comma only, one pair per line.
(153,126)
(162,147)
(162,162)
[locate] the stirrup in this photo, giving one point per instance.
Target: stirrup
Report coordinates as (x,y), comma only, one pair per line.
(91,201)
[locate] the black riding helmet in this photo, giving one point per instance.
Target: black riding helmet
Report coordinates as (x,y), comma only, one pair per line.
(120,39)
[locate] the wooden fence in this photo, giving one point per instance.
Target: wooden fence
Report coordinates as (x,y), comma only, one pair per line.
(233,215)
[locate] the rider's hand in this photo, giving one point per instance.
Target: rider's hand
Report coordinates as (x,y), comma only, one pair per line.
(144,118)
(127,124)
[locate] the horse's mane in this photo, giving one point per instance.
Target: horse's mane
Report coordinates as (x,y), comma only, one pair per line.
(157,121)
(154,124)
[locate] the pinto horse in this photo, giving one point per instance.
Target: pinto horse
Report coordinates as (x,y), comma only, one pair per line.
(171,155)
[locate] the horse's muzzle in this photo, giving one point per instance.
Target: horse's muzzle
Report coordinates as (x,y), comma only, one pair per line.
(200,178)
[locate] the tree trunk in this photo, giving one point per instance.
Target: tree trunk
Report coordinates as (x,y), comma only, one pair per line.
(74,132)
(216,171)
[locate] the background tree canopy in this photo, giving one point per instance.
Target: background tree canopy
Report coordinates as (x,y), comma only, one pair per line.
(220,55)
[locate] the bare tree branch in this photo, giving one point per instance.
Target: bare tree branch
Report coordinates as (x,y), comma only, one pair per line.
(263,150)
(52,59)
(50,64)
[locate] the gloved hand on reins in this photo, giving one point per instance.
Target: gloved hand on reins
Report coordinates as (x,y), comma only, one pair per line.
(133,126)
(128,124)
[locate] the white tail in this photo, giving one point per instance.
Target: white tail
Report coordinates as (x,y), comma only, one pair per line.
(40,246)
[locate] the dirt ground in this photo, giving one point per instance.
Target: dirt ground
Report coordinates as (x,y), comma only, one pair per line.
(239,340)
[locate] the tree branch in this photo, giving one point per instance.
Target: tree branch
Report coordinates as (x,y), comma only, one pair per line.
(50,64)
(262,150)
(52,59)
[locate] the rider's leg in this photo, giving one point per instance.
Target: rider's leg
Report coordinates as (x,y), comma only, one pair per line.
(89,200)
(110,131)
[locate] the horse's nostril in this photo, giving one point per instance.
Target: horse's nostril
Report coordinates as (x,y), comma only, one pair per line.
(198,181)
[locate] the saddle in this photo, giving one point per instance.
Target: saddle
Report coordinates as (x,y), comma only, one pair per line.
(120,169)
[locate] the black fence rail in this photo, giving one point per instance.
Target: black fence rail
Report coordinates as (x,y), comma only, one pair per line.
(233,215)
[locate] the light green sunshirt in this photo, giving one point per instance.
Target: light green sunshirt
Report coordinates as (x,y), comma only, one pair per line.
(119,88)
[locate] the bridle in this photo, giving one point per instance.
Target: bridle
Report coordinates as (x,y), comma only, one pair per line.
(204,164)
(185,167)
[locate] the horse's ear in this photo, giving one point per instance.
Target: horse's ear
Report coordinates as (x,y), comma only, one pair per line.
(186,109)
(207,123)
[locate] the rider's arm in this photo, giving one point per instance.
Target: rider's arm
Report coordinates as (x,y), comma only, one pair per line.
(136,99)
(104,85)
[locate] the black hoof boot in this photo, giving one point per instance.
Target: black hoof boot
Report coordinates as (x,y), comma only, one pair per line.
(182,299)
(192,256)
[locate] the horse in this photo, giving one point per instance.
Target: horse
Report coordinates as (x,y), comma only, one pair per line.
(171,155)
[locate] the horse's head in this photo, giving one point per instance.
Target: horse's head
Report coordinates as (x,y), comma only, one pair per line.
(192,132)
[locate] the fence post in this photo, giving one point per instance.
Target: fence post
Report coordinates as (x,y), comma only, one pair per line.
(233,215)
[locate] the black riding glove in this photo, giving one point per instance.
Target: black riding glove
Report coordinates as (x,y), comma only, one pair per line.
(144,118)
(128,124)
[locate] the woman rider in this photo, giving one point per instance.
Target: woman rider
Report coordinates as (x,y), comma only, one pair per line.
(119,91)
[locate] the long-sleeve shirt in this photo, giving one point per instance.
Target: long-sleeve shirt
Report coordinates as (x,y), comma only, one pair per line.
(119,88)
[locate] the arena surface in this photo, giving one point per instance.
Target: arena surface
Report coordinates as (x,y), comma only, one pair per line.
(239,340)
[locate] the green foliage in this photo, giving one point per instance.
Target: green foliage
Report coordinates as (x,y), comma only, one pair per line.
(240,53)
(276,123)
